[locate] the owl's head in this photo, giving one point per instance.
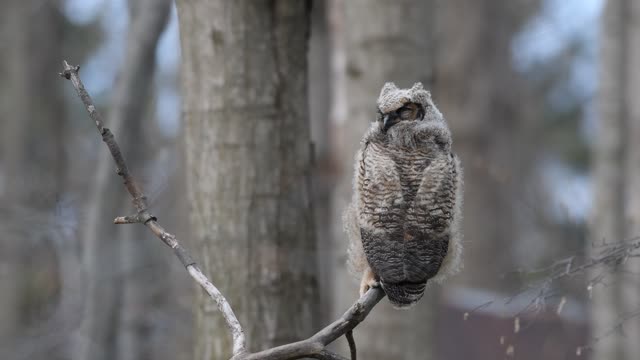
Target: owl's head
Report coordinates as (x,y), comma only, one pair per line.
(396,105)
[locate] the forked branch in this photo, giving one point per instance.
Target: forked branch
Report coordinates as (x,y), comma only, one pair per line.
(313,347)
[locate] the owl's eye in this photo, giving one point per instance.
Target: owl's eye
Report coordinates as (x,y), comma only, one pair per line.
(405,113)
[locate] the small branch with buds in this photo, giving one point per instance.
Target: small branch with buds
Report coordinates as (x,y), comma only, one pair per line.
(313,347)
(606,257)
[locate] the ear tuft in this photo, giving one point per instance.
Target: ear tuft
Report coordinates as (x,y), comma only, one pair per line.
(387,88)
(417,86)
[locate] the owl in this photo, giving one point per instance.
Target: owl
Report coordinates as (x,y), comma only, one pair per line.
(403,222)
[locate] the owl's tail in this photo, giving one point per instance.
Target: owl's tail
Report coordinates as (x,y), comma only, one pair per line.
(404,294)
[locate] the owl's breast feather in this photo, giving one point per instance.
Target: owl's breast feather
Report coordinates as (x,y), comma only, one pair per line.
(400,243)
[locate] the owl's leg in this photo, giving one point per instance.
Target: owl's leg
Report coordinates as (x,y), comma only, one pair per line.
(369,280)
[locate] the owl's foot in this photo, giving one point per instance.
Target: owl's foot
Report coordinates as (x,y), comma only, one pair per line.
(369,280)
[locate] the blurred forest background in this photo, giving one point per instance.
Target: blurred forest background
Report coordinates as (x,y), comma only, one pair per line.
(241,119)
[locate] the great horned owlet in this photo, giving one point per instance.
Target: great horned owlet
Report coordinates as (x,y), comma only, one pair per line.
(403,221)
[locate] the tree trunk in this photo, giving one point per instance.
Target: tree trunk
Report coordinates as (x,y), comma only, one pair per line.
(616,210)
(375,42)
(248,163)
(32,162)
(629,277)
(323,170)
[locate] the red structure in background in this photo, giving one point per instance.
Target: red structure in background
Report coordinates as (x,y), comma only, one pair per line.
(491,332)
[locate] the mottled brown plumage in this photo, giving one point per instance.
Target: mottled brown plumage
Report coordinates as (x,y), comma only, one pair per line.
(403,221)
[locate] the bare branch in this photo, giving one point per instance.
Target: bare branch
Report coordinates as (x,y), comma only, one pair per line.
(352,344)
(314,347)
(608,256)
(134,219)
(328,355)
(139,201)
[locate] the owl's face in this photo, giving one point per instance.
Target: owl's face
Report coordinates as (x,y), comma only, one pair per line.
(408,118)
(408,112)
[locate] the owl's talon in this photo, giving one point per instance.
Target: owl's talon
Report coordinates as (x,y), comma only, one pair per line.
(369,280)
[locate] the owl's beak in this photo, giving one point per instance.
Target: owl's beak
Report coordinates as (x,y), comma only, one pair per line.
(389,120)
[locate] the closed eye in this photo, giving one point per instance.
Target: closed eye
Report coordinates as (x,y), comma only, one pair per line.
(406,114)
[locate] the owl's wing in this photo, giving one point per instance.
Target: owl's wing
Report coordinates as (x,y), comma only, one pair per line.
(433,243)
(381,211)
(452,262)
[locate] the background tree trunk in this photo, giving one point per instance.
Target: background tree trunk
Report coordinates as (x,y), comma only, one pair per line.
(320,86)
(378,41)
(630,281)
(248,165)
(616,210)
(32,168)
(488,110)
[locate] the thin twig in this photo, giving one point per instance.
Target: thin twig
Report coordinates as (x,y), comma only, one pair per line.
(618,326)
(608,256)
(314,347)
(352,344)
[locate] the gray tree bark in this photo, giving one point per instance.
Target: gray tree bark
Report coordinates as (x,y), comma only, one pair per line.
(630,282)
(244,89)
(320,86)
(375,42)
(616,211)
(32,167)
(106,251)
